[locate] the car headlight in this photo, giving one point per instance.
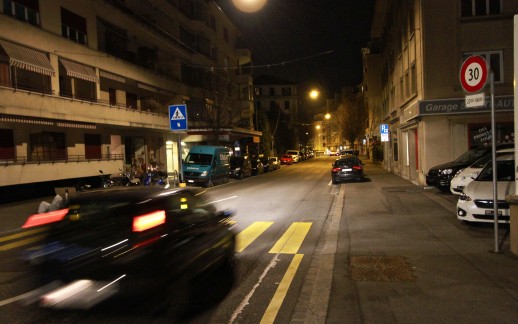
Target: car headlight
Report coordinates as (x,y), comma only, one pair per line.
(238,169)
(447,171)
(464,197)
(204,173)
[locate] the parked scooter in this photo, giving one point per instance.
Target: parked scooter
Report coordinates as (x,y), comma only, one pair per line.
(125,179)
(105,182)
(155,177)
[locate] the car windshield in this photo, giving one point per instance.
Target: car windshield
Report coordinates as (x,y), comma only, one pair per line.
(198,158)
(480,163)
(472,155)
(346,162)
(236,161)
(505,171)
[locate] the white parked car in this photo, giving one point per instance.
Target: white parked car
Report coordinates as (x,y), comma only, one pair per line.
(466,175)
(475,204)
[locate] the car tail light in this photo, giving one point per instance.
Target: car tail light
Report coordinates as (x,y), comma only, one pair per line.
(45,218)
(336,170)
(357,167)
(147,221)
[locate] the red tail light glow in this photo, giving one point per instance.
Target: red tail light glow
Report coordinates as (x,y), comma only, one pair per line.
(357,167)
(45,218)
(147,221)
(336,169)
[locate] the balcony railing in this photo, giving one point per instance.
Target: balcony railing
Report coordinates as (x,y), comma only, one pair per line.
(21,160)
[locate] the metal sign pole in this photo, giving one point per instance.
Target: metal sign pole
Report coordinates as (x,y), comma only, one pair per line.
(493,152)
(180,162)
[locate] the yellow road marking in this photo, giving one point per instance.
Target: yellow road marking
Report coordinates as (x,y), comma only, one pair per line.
(291,240)
(22,234)
(21,243)
(282,290)
(249,234)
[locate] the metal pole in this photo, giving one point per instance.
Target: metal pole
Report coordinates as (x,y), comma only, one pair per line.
(180,173)
(493,152)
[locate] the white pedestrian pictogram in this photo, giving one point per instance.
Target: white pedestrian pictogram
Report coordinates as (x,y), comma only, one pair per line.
(178,115)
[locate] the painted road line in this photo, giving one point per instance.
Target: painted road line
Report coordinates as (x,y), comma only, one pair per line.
(249,234)
(276,302)
(16,240)
(292,239)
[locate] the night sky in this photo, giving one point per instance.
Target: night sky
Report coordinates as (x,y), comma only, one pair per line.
(316,43)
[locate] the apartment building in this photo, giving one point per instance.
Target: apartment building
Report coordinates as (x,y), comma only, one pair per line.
(279,98)
(86,86)
(417,49)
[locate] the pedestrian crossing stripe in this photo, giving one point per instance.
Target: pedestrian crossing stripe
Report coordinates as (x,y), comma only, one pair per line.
(177,115)
(249,234)
(292,239)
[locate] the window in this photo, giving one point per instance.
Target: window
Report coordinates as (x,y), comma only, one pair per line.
(287,105)
(24,10)
(225,34)
(92,146)
(272,91)
(470,8)
(73,26)
(258,91)
(47,146)
(131,100)
(113,97)
(7,144)
(413,79)
(494,60)
(286,91)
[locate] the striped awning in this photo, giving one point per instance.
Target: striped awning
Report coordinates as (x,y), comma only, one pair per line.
(27,58)
(112,76)
(80,71)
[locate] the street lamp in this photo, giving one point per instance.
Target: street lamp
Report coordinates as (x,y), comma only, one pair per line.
(249,5)
(314,94)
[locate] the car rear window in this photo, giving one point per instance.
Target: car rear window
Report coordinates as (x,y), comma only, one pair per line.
(346,162)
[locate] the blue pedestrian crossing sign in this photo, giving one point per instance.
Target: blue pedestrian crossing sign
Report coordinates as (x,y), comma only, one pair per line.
(178,117)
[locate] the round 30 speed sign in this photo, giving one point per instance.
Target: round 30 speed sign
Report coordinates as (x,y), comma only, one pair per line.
(473,74)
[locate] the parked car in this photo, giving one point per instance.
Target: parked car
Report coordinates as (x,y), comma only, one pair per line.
(347,167)
(287,159)
(476,203)
(265,161)
(275,163)
(240,167)
(295,154)
(206,165)
(440,176)
(127,245)
(257,166)
(464,176)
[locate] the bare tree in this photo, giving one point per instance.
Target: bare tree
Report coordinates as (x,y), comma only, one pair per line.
(351,119)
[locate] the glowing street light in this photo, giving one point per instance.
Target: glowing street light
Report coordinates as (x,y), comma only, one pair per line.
(249,5)
(327,116)
(314,94)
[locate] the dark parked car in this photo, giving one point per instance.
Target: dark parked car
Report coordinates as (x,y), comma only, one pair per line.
(266,163)
(257,166)
(347,167)
(440,176)
(240,167)
(124,246)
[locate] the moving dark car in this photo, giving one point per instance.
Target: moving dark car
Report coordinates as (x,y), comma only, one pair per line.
(440,176)
(347,167)
(130,245)
(240,167)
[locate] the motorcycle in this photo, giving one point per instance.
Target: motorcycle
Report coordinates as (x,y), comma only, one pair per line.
(125,179)
(155,177)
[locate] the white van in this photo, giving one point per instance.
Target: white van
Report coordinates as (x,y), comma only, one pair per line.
(295,154)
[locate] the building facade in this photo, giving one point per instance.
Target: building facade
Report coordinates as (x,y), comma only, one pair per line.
(86,86)
(416,52)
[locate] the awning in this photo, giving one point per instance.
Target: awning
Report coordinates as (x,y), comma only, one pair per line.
(80,71)
(27,58)
(112,76)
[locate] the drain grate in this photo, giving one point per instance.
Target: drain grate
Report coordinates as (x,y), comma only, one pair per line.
(380,268)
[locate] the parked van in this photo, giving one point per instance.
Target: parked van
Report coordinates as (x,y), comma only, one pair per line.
(206,165)
(295,154)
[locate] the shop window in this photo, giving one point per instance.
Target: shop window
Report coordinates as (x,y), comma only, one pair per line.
(7,151)
(47,146)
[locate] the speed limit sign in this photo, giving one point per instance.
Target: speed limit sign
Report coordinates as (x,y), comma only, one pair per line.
(473,74)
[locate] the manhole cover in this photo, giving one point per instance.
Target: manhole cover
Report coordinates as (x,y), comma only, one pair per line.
(380,268)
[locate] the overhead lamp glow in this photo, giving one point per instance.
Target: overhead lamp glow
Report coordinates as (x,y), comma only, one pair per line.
(249,5)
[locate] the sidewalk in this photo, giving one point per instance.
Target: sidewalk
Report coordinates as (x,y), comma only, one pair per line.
(403,257)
